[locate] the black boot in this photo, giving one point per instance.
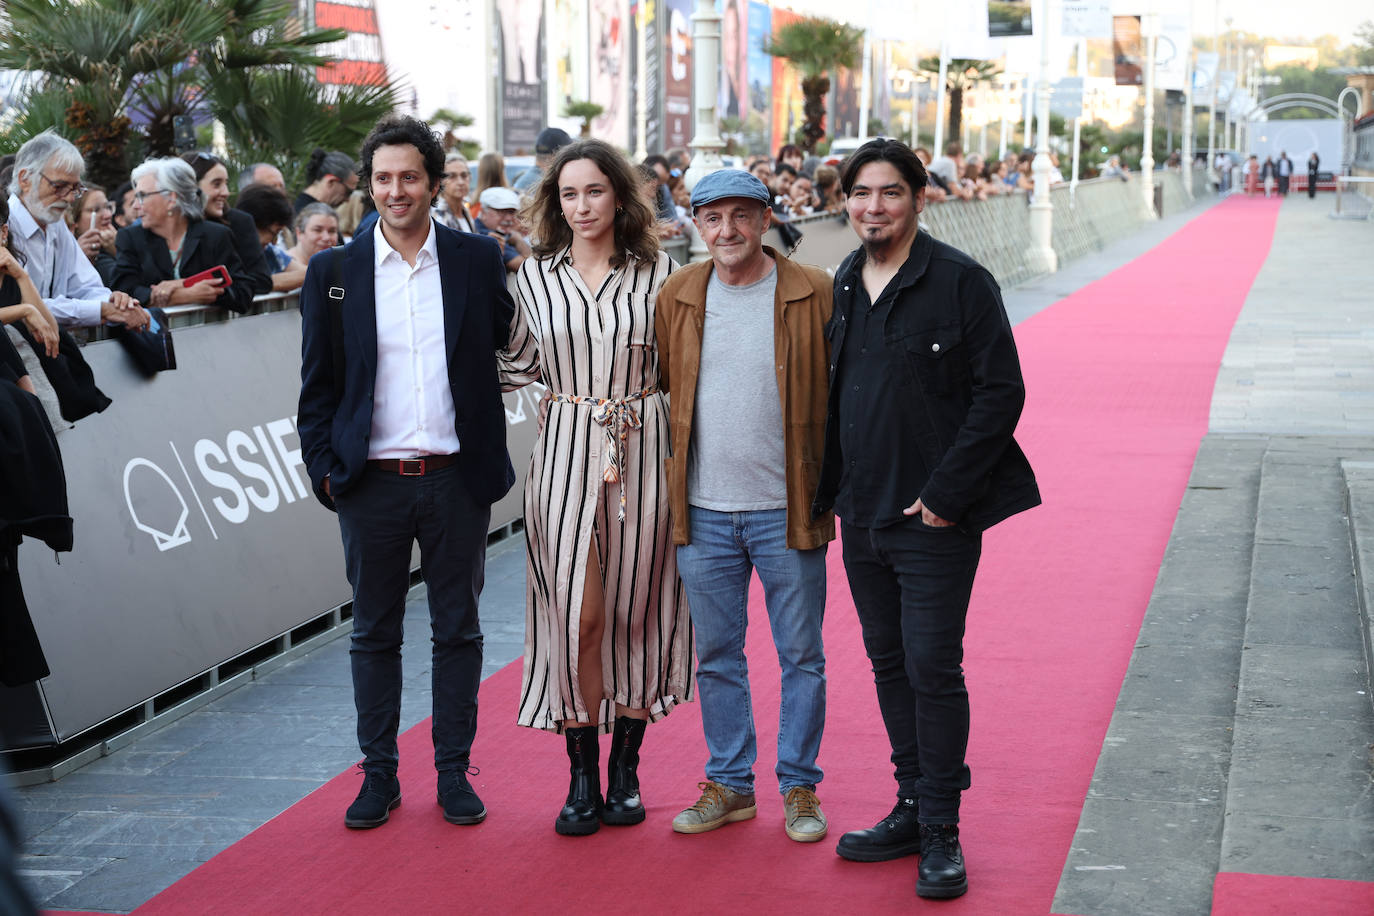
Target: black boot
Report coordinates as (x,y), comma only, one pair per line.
(897,835)
(941,872)
(622,773)
(581,814)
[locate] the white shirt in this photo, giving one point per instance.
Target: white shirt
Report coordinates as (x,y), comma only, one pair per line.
(63,275)
(412,406)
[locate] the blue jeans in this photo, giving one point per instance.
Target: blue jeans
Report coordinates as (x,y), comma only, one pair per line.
(715,569)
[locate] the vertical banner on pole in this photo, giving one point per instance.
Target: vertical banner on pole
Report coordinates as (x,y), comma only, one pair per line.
(1171,52)
(649,28)
(759,72)
(734,60)
(1009,18)
(787,93)
(1205,76)
(677,70)
(522,67)
(1087,19)
(610,70)
(1128,50)
(567,41)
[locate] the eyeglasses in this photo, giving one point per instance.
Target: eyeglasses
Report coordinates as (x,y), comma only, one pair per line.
(63,188)
(141,196)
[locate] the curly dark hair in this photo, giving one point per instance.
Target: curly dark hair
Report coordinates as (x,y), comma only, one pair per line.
(884,150)
(397,130)
(634,219)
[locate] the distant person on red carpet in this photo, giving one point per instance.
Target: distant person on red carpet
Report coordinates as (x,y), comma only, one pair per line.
(925,392)
(741,341)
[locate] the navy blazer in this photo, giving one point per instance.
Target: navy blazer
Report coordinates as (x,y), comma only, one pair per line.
(335,425)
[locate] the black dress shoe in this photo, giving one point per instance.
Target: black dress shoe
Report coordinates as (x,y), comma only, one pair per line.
(381,792)
(897,835)
(581,814)
(460,803)
(941,873)
(623,806)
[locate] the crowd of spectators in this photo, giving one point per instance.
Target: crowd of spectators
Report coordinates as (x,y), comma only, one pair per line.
(179,232)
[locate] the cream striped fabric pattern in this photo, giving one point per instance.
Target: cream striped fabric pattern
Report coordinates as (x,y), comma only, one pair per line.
(590,350)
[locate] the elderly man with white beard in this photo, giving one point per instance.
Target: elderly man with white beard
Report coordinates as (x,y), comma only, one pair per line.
(46,178)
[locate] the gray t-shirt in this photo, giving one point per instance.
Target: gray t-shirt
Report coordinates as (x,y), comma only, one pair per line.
(737,461)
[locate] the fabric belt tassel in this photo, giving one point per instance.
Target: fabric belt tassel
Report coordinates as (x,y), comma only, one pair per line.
(617,417)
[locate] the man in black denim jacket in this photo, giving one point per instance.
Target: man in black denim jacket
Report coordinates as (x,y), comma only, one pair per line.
(925,393)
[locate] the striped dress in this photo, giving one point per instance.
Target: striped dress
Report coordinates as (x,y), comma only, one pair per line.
(596,354)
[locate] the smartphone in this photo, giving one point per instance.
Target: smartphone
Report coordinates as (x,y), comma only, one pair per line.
(219,271)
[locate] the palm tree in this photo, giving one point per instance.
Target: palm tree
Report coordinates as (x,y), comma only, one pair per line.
(816,47)
(587,111)
(960,74)
(280,115)
(109,59)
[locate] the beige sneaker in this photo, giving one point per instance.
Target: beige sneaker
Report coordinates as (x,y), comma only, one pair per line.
(802,815)
(717,807)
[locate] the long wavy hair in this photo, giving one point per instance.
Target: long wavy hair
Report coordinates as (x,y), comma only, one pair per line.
(634,220)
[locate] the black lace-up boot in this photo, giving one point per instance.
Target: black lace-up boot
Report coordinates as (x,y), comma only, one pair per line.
(941,873)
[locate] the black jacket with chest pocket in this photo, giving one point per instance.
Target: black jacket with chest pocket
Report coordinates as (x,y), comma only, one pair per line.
(949,319)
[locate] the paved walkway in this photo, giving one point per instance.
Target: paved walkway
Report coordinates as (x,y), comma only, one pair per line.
(116,832)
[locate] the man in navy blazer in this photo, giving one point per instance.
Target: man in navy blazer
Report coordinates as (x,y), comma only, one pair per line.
(404,434)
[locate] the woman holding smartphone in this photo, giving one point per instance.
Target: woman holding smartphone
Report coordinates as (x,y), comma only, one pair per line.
(212,177)
(175,243)
(608,641)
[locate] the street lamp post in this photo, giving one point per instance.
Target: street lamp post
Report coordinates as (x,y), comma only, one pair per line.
(1041,253)
(706,143)
(1149,27)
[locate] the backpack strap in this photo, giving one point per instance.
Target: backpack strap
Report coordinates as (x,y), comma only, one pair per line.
(336,301)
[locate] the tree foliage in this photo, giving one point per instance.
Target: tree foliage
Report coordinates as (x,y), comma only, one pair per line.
(960,74)
(816,47)
(121,71)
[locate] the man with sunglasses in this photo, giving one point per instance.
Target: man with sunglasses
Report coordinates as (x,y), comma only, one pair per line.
(46,179)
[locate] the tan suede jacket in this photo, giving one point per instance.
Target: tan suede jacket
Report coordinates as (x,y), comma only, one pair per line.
(801,309)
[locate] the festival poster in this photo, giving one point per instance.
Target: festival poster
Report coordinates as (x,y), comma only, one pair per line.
(787,93)
(759,128)
(1171,51)
(522,87)
(610,70)
(677,73)
(567,47)
(1087,19)
(844,104)
(1009,18)
(734,60)
(357,59)
(1128,50)
(648,21)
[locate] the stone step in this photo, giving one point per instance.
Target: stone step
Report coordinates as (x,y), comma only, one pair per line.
(1359,506)
(1149,837)
(1298,799)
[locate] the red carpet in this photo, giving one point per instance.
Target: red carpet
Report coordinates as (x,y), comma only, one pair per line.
(1279,895)
(1120,379)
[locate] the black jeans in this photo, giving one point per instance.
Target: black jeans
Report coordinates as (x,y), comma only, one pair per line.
(911,586)
(381,517)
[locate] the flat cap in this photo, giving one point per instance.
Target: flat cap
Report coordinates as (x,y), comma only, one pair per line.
(551,140)
(724,183)
(500,199)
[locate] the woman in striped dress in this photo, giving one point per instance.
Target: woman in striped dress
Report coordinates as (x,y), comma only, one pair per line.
(608,640)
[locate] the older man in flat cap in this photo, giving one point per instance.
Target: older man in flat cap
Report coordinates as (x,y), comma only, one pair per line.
(741,345)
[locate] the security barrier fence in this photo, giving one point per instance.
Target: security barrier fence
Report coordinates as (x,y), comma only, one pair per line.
(201,557)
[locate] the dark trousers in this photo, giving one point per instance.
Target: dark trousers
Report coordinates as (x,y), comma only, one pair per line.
(381,517)
(911,585)
(1283,185)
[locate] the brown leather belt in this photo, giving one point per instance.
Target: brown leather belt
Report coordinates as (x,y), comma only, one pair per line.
(412,467)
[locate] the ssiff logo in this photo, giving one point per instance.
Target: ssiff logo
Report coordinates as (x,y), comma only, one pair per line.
(254,469)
